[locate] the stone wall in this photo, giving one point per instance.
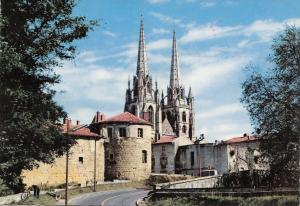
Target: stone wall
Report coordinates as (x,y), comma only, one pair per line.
(81,166)
(124,155)
(201,182)
(163,157)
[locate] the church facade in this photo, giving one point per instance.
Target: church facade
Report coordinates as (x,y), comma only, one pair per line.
(170,114)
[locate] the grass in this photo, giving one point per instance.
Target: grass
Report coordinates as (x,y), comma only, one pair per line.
(225,201)
(49,200)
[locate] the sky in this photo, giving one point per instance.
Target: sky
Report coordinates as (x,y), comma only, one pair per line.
(217,40)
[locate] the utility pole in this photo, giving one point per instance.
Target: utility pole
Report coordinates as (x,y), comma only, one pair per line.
(67,166)
(95,165)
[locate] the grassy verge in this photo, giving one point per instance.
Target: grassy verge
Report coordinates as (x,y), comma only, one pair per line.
(225,201)
(49,200)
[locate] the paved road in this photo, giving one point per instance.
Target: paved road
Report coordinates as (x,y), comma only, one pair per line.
(126,197)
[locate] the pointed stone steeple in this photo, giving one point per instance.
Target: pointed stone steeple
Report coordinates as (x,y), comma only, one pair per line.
(175,81)
(190,95)
(142,67)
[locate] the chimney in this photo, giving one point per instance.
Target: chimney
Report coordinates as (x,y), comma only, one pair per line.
(77,122)
(69,123)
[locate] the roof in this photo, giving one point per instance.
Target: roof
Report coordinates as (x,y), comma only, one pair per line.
(126,117)
(165,139)
(240,139)
(80,131)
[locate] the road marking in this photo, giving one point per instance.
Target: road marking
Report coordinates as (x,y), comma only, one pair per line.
(103,202)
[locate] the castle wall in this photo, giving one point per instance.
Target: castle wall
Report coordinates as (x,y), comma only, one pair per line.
(124,155)
(81,172)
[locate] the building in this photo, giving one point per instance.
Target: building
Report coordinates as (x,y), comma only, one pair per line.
(127,146)
(233,155)
(81,160)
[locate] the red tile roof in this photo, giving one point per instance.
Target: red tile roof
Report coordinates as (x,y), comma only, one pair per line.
(79,131)
(240,139)
(165,139)
(127,118)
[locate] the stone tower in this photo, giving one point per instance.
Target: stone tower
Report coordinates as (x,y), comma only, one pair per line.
(178,110)
(142,100)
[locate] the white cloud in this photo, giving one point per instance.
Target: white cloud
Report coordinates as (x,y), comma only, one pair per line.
(222,110)
(209,31)
(202,75)
(160,31)
(263,30)
(157,1)
(159,44)
(207,3)
(166,19)
(109,33)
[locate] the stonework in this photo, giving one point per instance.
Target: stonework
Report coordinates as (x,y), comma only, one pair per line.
(81,166)
(127,146)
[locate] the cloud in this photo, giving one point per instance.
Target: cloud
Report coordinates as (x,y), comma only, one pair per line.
(206,32)
(109,33)
(157,1)
(159,44)
(223,110)
(166,19)
(263,30)
(160,31)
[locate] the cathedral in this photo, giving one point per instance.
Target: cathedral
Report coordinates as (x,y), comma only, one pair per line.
(170,114)
(154,134)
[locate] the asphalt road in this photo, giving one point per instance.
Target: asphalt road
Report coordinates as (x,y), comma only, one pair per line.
(126,197)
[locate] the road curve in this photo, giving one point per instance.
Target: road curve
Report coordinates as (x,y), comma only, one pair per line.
(125,197)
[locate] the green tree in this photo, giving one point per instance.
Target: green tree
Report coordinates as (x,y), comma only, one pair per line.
(36,35)
(273,101)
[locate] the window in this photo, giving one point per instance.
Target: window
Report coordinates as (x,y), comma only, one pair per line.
(144,156)
(80,159)
(122,132)
(183,116)
(151,114)
(111,156)
(184,129)
(163,148)
(109,132)
(140,132)
(192,159)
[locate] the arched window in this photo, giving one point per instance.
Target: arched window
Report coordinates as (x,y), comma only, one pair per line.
(184,116)
(133,110)
(184,129)
(151,114)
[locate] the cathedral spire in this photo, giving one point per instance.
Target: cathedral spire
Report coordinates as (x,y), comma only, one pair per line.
(175,70)
(190,95)
(142,67)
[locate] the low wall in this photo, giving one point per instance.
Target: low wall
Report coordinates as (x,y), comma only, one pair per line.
(201,182)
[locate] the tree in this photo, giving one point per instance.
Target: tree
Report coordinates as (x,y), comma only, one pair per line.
(36,35)
(273,101)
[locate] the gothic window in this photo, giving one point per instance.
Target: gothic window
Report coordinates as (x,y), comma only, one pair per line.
(184,129)
(109,132)
(122,132)
(144,156)
(184,116)
(140,132)
(133,110)
(111,157)
(151,114)
(192,159)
